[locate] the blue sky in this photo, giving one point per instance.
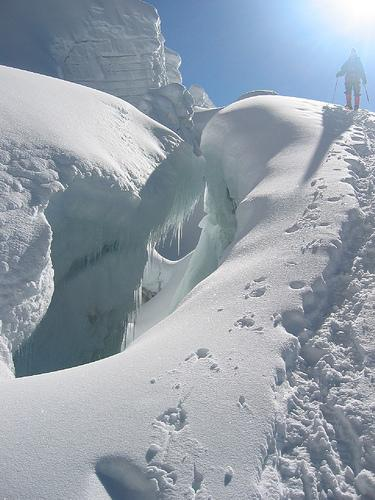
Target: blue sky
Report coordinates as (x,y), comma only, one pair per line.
(292,46)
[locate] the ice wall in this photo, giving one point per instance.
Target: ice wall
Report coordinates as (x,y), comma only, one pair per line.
(87,183)
(111,45)
(171,105)
(114,46)
(173,62)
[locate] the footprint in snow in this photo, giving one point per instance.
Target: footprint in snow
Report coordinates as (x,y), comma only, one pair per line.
(163,474)
(123,479)
(242,402)
(200,353)
(313,206)
(358,137)
(260,280)
(245,322)
(175,417)
(311,216)
(315,181)
(228,476)
(296,227)
(297,284)
(291,263)
(257,292)
(204,353)
(256,280)
(197,480)
(152,451)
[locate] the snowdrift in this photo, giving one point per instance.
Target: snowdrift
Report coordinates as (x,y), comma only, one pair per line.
(81,172)
(217,399)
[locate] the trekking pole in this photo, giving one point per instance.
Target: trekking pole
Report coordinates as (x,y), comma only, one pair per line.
(368,99)
(334,92)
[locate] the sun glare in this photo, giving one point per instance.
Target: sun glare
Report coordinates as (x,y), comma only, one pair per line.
(352,16)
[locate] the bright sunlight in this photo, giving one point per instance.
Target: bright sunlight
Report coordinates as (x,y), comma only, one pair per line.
(352,16)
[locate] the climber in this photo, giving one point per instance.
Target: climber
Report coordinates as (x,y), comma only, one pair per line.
(354,73)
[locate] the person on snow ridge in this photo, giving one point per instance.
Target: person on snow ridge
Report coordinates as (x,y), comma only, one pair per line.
(354,73)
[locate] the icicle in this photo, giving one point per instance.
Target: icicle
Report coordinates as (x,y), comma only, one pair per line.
(125,336)
(138,298)
(179,236)
(130,330)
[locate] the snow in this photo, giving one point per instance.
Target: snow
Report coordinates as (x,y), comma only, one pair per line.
(200,96)
(79,175)
(173,62)
(251,374)
(113,46)
(255,93)
(171,105)
(365,482)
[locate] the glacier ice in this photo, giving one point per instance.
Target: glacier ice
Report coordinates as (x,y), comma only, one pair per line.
(115,46)
(173,62)
(80,215)
(200,96)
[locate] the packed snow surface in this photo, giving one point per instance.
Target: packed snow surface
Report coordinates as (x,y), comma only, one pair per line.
(259,384)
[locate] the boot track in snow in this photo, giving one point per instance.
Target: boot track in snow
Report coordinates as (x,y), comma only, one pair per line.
(324,447)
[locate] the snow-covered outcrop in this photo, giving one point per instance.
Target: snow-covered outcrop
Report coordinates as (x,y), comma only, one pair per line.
(249,389)
(171,105)
(115,46)
(81,171)
(200,96)
(173,63)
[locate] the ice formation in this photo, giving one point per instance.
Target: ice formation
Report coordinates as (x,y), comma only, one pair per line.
(200,96)
(78,214)
(171,105)
(248,365)
(173,63)
(115,46)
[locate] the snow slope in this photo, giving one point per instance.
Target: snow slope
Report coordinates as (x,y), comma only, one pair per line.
(80,173)
(258,385)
